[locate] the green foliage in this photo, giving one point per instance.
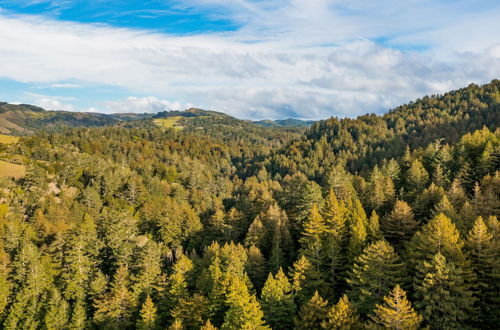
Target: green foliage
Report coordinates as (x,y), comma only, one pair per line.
(343,315)
(312,314)
(131,225)
(396,312)
(374,273)
(277,301)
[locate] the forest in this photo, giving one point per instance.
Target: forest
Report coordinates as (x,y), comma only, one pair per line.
(377,222)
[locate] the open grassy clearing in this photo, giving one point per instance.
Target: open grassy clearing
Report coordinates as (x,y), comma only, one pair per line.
(169,122)
(7,139)
(11,170)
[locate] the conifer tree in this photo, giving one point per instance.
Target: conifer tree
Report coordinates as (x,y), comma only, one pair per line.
(438,235)
(305,280)
(444,206)
(116,308)
(191,311)
(357,238)
(311,314)
(277,301)
(396,312)
(416,177)
(256,234)
(78,320)
(373,275)
(399,225)
(208,326)
(5,284)
(341,316)
(57,311)
(177,283)
(484,255)
(333,239)
(148,316)
(310,241)
(256,267)
(442,296)
(373,232)
(148,270)
(244,311)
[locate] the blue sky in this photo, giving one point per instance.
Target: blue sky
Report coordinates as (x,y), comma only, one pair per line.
(251,59)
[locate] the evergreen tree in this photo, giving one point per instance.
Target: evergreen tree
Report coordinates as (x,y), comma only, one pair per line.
(310,241)
(256,234)
(244,311)
(311,314)
(373,275)
(147,268)
(357,237)
(277,301)
(57,312)
(208,326)
(396,312)
(305,280)
(5,284)
(147,319)
(192,311)
(177,283)
(256,267)
(400,225)
(341,316)
(439,235)
(373,232)
(78,319)
(484,260)
(442,296)
(117,307)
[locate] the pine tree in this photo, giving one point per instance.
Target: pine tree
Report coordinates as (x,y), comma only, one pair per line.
(444,206)
(484,255)
(416,177)
(57,312)
(116,308)
(442,296)
(148,270)
(208,326)
(400,225)
(177,283)
(310,241)
(311,314)
(373,232)
(256,234)
(334,237)
(396,312)
(191,311)
(357,237)
(78,319)
(305,280)
(374,273)
(147,319)
(277,301)
(256,267)
(5,284)
(341,316)
(438,235)
(244,311)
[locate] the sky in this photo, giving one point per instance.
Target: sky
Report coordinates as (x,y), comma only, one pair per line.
(253,59)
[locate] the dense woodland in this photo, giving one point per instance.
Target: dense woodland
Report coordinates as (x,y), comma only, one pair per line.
(369,223)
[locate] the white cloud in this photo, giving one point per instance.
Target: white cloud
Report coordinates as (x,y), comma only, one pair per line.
(307,59)
(134,104)
(64,85)
(53,104)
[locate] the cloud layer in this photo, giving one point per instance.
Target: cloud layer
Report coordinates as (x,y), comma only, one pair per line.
(306,59)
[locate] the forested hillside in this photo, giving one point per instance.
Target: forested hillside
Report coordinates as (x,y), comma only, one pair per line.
(209,222)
